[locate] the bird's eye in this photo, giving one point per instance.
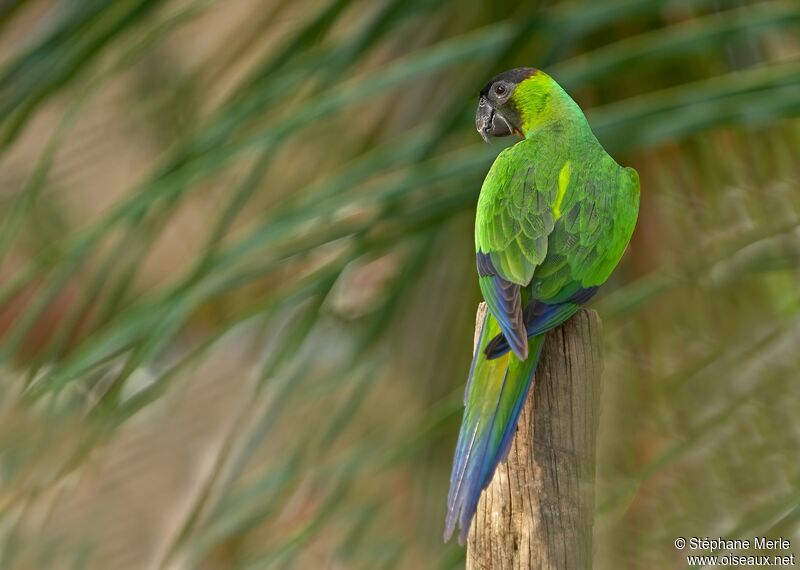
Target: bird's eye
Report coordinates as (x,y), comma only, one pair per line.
(499,90)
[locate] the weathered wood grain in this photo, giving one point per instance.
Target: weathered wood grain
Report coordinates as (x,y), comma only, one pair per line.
(538,511)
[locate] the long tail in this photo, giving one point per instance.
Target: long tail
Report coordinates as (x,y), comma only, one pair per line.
(496,392)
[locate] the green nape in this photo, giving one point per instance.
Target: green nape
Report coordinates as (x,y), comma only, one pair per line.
(541,102)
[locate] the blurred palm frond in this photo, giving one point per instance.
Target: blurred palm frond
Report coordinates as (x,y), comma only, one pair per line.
(234,324)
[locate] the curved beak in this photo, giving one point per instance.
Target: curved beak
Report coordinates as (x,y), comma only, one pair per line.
(489,121)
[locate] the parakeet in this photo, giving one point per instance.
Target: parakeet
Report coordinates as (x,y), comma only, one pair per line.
(554,216)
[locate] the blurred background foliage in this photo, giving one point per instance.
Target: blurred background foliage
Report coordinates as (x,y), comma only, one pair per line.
(237,286)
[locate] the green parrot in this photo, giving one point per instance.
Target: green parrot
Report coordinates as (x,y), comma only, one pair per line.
(554,217)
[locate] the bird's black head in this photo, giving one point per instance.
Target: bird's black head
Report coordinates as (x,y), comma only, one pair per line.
(497,113)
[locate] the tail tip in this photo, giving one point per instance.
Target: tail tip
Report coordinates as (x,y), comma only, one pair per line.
(450,527)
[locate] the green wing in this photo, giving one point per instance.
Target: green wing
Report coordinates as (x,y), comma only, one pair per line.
(595,223)
(551,229)
(514,219)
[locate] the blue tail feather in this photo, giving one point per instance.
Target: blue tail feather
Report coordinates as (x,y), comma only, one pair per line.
(496,393)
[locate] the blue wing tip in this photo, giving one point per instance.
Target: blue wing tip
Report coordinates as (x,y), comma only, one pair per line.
(517,338)
(520,350)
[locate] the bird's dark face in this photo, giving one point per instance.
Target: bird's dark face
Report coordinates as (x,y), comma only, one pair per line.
(497,114)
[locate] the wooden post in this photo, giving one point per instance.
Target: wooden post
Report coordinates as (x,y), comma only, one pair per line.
(537,512)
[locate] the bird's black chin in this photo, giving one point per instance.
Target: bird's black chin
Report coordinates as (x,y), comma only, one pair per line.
(490,122)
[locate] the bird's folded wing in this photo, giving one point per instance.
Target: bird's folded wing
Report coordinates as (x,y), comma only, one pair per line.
(514,219)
